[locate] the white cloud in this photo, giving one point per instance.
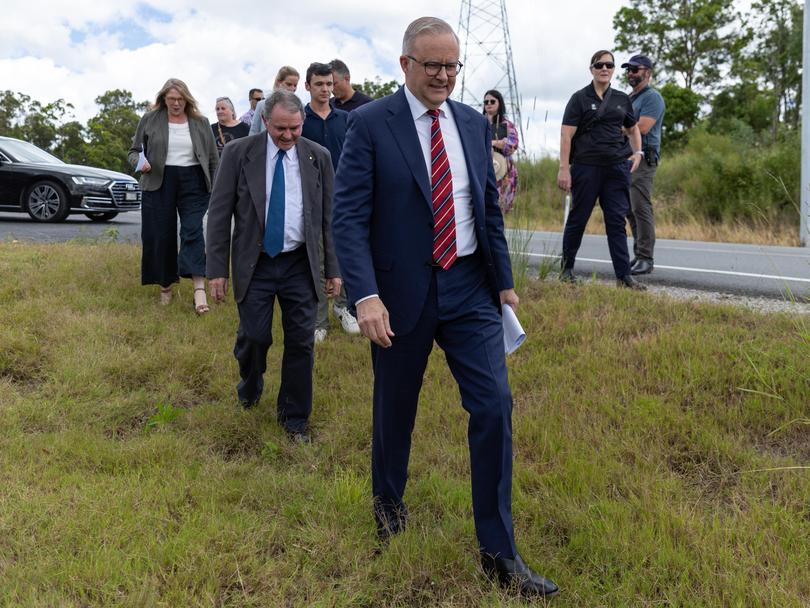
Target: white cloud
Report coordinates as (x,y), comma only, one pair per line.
(77,51)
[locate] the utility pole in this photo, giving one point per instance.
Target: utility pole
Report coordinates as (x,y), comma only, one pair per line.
(486,50)
(804,192)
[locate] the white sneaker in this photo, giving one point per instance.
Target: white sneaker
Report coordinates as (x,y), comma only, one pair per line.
(347,321)
(320,335)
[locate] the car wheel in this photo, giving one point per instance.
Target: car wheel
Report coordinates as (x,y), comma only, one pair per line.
(101,216)
(46,202)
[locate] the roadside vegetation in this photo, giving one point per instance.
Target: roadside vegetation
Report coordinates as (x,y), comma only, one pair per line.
(661,455)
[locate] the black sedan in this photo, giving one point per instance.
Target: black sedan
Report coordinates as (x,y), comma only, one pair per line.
(37,182)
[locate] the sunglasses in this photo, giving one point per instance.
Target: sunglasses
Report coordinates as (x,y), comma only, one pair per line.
(489,102)
(258,98)
(603,64)
(634,69)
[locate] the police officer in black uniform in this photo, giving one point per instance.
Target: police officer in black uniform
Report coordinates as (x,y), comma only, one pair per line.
(600,146)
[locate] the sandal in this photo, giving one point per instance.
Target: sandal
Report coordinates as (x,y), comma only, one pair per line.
(203,307)
(165,295)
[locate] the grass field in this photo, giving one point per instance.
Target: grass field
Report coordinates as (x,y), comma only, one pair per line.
(661,455)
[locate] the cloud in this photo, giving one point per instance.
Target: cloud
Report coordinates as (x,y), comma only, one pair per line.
(78,51)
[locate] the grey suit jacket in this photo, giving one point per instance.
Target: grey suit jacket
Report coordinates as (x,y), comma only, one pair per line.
(153,132)
(239,193)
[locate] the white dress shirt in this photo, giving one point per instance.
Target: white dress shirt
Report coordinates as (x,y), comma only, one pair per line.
(462,195)
(293,197)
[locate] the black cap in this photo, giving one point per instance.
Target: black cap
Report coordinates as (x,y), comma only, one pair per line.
(638,61)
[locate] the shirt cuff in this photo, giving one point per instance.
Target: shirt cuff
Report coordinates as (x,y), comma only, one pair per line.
(374,295)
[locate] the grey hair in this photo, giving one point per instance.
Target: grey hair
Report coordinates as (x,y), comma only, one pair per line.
(422,26)
(228,102)
(287,100)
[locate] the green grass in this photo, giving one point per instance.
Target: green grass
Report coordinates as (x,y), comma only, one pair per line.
(653,446)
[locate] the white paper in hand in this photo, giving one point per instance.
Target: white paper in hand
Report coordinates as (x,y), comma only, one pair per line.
(141,160)
(513,334)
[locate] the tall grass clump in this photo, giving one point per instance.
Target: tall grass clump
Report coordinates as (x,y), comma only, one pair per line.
(730,178)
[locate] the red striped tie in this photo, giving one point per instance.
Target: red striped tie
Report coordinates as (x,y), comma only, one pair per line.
(444,212)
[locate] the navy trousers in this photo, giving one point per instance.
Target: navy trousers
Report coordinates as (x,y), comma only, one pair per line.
(288,277)
(183,192)
(611,185)
(462,317)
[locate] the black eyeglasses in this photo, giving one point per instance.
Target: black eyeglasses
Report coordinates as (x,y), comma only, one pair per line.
(258,99)
(603,64)
(489,102)
(432,68)
(634,69)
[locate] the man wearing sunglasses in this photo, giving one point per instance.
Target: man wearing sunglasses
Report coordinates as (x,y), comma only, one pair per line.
(649,108)
(255,96)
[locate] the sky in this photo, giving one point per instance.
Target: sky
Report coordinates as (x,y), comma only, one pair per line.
(78,50)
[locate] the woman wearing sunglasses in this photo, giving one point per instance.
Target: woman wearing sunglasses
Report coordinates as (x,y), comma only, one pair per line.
(600,146)
(505,143)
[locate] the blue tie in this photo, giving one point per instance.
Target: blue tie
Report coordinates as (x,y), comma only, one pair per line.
(274,223)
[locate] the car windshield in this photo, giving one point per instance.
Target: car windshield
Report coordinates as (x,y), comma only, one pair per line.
(24,152)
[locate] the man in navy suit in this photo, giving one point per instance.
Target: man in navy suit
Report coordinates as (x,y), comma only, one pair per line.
(419,238)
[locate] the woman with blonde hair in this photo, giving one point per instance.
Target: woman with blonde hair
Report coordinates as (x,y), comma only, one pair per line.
(175,153)
(286,79)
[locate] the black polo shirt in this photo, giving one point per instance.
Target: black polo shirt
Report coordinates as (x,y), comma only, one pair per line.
(603,143)
(355,101)
(330,133)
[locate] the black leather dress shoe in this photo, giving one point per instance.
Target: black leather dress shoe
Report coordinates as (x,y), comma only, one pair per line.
(390,521)
(568,276)
(629,282)
(247,404)
(515,573)
(641,267)
(301,437)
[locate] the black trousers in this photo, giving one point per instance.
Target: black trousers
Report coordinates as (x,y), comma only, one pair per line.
(288,277)
(183,192)
(611,185)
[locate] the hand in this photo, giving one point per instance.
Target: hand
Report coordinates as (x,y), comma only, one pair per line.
(498,144)
(636,158)
(146,167)
(564,179)
(218,288)
(372,317)
(333,287)
(508,296)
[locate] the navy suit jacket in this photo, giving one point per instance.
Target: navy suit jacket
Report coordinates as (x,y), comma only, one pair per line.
(382,208)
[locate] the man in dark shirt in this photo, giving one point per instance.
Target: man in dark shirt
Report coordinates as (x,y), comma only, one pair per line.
(346,98)
(326,126)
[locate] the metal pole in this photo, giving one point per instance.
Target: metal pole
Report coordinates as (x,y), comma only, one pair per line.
(804,224)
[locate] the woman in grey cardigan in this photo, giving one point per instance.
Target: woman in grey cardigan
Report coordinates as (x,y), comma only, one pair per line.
(175,152)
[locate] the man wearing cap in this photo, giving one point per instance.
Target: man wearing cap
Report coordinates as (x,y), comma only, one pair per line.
(649,107)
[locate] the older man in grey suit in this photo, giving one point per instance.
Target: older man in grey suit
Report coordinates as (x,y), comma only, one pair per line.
(277,189)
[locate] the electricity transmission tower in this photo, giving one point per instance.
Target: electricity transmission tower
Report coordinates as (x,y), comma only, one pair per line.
(486,52)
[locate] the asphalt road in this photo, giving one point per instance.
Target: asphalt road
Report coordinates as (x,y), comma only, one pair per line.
(758,270)
(755,270)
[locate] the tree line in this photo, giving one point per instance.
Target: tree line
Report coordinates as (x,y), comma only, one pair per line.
(717,67)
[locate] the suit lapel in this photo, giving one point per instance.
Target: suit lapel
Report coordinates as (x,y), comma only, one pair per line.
(309,177)
(256,175)
(471,142)
(404,130)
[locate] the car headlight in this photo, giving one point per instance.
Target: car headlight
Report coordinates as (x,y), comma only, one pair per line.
(90,181)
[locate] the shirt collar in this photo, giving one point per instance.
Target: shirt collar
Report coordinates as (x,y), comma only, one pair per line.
(272,150)
(418,109)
